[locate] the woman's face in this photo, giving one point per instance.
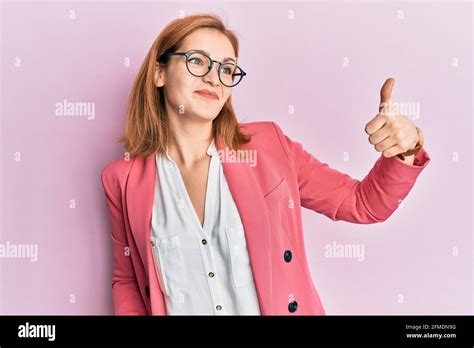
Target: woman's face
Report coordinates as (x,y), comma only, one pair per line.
(180,86)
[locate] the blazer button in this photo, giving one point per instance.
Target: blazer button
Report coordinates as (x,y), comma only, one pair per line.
(293,306)
(287,255)
(147,291)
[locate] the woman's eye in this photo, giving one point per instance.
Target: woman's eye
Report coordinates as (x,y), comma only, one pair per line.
(196,59)
(227,71)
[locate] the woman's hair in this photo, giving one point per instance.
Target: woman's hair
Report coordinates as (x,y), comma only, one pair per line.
(146,125)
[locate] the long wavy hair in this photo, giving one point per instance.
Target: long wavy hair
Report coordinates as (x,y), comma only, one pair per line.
(146,126)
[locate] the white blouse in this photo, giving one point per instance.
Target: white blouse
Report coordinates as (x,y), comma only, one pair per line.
(202,270)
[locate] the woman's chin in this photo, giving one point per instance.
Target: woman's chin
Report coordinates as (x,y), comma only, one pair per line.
(205,117)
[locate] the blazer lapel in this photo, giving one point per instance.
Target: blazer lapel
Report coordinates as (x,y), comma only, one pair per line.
(139,196)
(253,212)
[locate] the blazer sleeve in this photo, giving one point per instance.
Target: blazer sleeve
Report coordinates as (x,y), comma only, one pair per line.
(340,197)
(125,292)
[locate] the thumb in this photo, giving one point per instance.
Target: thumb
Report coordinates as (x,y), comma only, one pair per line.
(386,94)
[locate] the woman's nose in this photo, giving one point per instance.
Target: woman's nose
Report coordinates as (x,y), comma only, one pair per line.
(213,74)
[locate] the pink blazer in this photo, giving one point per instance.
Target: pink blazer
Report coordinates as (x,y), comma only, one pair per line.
(269,197)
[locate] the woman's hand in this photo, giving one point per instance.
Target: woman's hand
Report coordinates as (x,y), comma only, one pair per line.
(390,132)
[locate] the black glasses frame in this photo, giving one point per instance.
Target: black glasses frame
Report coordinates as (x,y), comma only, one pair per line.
(189,53)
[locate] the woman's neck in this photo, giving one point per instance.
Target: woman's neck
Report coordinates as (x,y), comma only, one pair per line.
(189,140)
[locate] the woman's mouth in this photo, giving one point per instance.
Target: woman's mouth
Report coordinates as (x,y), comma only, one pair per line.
(207,95)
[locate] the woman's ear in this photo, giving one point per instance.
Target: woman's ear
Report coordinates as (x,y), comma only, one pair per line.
(159,78)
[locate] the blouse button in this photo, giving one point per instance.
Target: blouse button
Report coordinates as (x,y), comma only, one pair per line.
(211,274)
(204,241)
(152,243)
(218,307)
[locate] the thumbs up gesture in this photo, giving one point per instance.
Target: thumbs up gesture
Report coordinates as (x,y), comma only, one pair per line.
(390,132)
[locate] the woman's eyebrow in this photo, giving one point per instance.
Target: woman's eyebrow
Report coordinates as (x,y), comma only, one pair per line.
(201,51)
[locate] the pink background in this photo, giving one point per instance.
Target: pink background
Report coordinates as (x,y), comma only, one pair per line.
(292,58)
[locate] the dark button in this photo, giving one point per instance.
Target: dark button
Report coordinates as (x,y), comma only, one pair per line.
(287,255)
(293,306)
(211,274)
(204,241)
(218,307)
(147,291)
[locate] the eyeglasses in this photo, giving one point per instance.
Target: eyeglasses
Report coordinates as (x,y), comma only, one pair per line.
(200,64)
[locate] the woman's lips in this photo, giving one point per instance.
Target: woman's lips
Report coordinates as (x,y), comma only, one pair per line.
(207,95)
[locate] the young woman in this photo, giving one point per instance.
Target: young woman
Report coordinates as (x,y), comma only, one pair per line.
(205,212)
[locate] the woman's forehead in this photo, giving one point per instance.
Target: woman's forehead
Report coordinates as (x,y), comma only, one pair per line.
(217,46)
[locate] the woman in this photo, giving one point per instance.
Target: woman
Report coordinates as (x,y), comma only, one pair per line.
(205,212)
